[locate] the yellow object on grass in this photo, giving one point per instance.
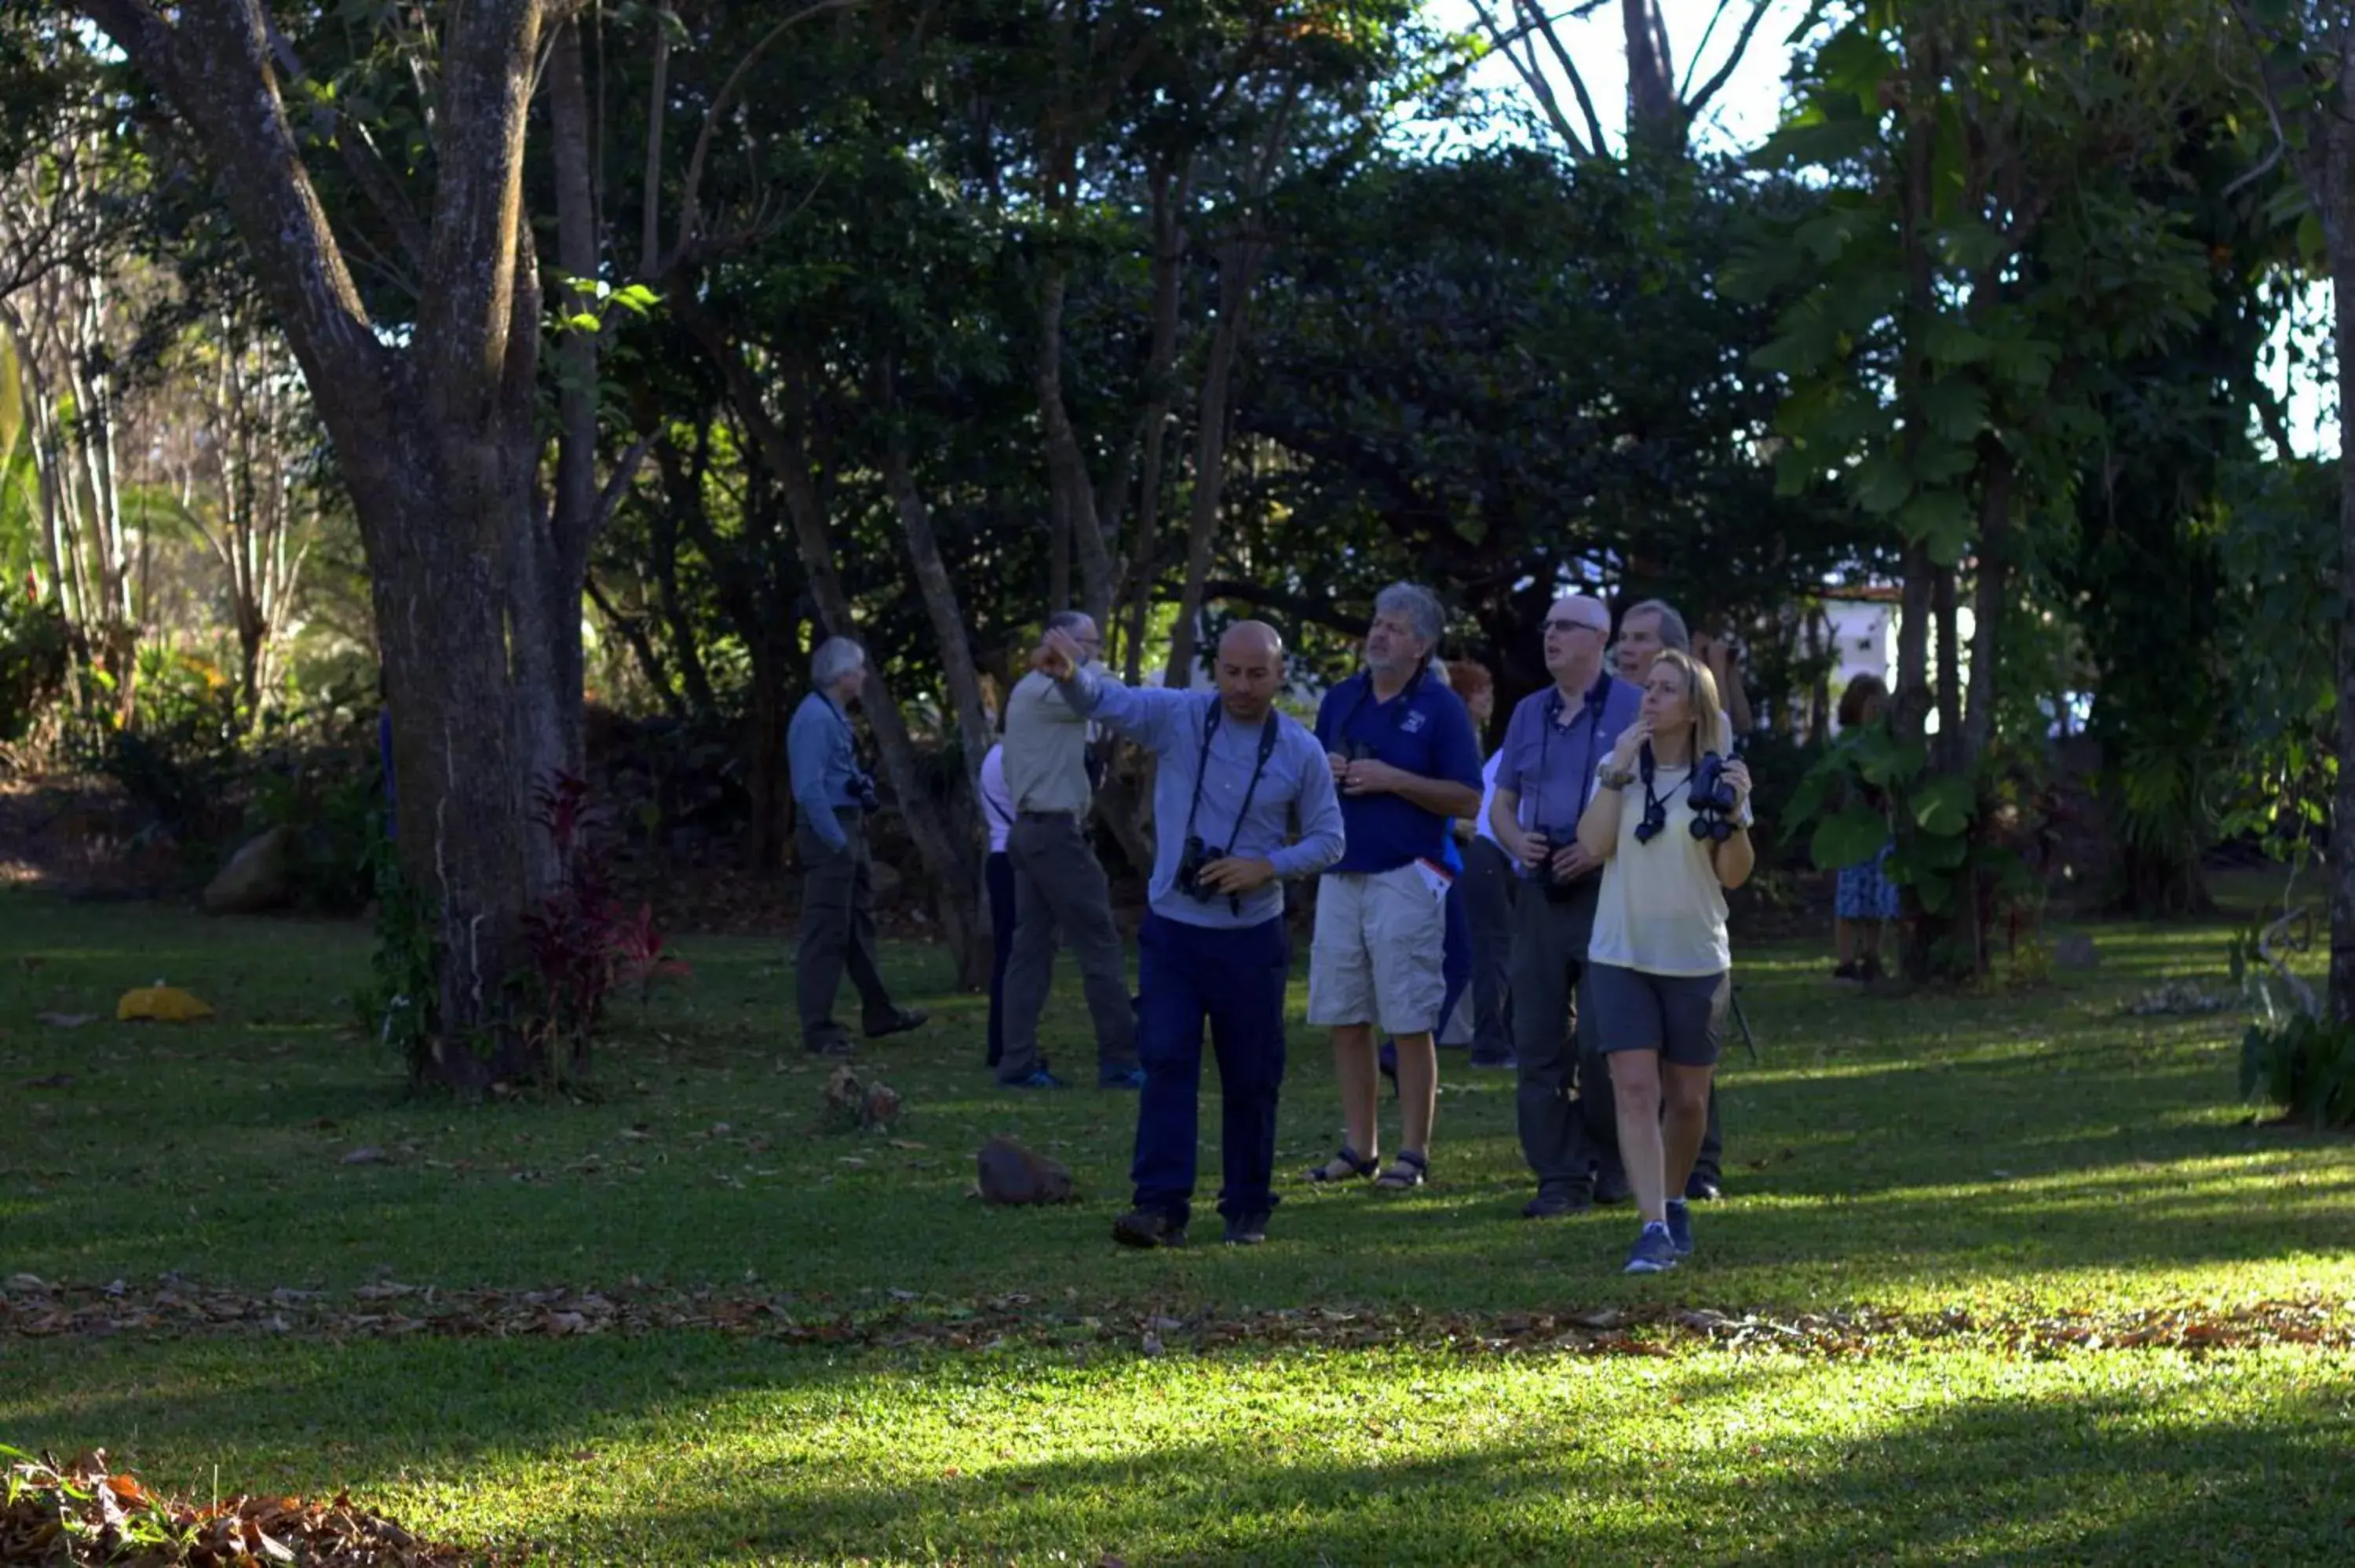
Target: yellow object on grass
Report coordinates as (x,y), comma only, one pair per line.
(161,1003)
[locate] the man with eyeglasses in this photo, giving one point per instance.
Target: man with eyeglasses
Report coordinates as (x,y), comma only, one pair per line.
(1553,743)
(1058,882)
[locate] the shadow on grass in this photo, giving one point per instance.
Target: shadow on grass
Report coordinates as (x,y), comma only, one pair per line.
(721,1451)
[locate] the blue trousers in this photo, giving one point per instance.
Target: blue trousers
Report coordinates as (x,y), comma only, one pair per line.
(1234,981)
(997,875)
(1454,954)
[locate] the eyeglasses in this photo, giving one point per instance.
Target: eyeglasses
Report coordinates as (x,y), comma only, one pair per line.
(1573,626)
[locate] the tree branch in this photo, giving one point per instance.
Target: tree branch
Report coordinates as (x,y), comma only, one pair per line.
(1544,26)
(1534,78)
(1696,102)
(689,211)
(365,165)
(1324,612)
(617,485)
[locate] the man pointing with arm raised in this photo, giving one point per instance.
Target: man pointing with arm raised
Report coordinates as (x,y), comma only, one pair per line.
(1213,947)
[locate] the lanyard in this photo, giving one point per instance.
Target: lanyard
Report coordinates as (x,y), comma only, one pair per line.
(1597,696)
(1202,768)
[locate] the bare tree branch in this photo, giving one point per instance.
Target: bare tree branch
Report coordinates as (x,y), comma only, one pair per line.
(617,485)
(1696,102)
(1540,88)
(1544,24)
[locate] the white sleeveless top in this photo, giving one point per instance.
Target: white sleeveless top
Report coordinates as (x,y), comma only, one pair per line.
(1661,910)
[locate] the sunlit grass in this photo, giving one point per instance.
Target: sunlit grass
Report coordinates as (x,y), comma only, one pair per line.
(735,1453)
(1999,1154)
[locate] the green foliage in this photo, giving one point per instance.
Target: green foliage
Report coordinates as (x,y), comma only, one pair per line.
(1962,842)
(2303,1063)
(1417,313)
(401,1006)
(2282,609)
(36,652)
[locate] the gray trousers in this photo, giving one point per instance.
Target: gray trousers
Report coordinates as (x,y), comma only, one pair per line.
(1564,1096)
(1488,893)
(1058,885)
(838,930)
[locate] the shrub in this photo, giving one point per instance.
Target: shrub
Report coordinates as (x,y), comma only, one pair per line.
(584,945)
(2304,1064)
(36,652)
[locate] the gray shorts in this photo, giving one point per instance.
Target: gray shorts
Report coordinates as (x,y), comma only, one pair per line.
(1680,1016)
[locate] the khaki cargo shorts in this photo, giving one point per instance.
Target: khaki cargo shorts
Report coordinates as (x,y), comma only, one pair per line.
(1381,937)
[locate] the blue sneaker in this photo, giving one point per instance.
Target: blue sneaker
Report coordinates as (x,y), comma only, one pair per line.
(1134,1078)
(1653,1253)
(1681,1226)
(1042,1079)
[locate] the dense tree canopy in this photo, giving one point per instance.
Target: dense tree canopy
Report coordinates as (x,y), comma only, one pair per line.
(734,325)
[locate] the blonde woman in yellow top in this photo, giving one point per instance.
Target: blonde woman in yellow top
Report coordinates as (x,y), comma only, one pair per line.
(1670,823)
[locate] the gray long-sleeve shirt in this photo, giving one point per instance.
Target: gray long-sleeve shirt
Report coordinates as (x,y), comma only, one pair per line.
(824,766)
(1170,724)
(1046,749)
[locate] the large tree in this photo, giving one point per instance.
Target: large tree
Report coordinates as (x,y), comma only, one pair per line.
(476,567)
(2306,60)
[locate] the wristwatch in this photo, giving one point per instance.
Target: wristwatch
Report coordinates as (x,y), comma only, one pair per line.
(1612,778)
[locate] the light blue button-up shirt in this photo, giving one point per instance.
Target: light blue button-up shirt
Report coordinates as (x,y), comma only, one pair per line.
(1170,724)
(824,766)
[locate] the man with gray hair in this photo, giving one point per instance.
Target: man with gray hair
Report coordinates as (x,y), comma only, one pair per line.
(1405,760)
(1058,883)
(1545,780)
(833,796)
(1647,628)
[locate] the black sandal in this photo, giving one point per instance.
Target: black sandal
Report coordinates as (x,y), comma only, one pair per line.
(1358,1167)
(1406,1172)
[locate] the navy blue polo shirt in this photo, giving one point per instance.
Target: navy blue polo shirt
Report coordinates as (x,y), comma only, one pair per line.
(1423,730)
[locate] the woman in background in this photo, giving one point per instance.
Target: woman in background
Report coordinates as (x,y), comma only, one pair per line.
(1866,899)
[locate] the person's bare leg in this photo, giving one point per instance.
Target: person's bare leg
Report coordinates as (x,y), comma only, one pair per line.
(1635,1099)
(1360,1080)
(1684,1120)
(1843,939)
(1418,1077)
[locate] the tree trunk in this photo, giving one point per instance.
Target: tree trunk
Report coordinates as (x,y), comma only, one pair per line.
(1947,754)
(1076,518)
(1238,266)
(441,607)
(939,596)
(946,852)
(1172,193)
(1656,114)
(2339,216)
(1990,598)
(436,436)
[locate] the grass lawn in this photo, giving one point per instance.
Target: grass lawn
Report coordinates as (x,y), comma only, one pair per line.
(1979,1178)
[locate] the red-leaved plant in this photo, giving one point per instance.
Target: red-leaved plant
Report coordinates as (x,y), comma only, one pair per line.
(583,943)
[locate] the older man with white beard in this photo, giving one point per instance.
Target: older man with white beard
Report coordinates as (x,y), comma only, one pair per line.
(1403,754)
